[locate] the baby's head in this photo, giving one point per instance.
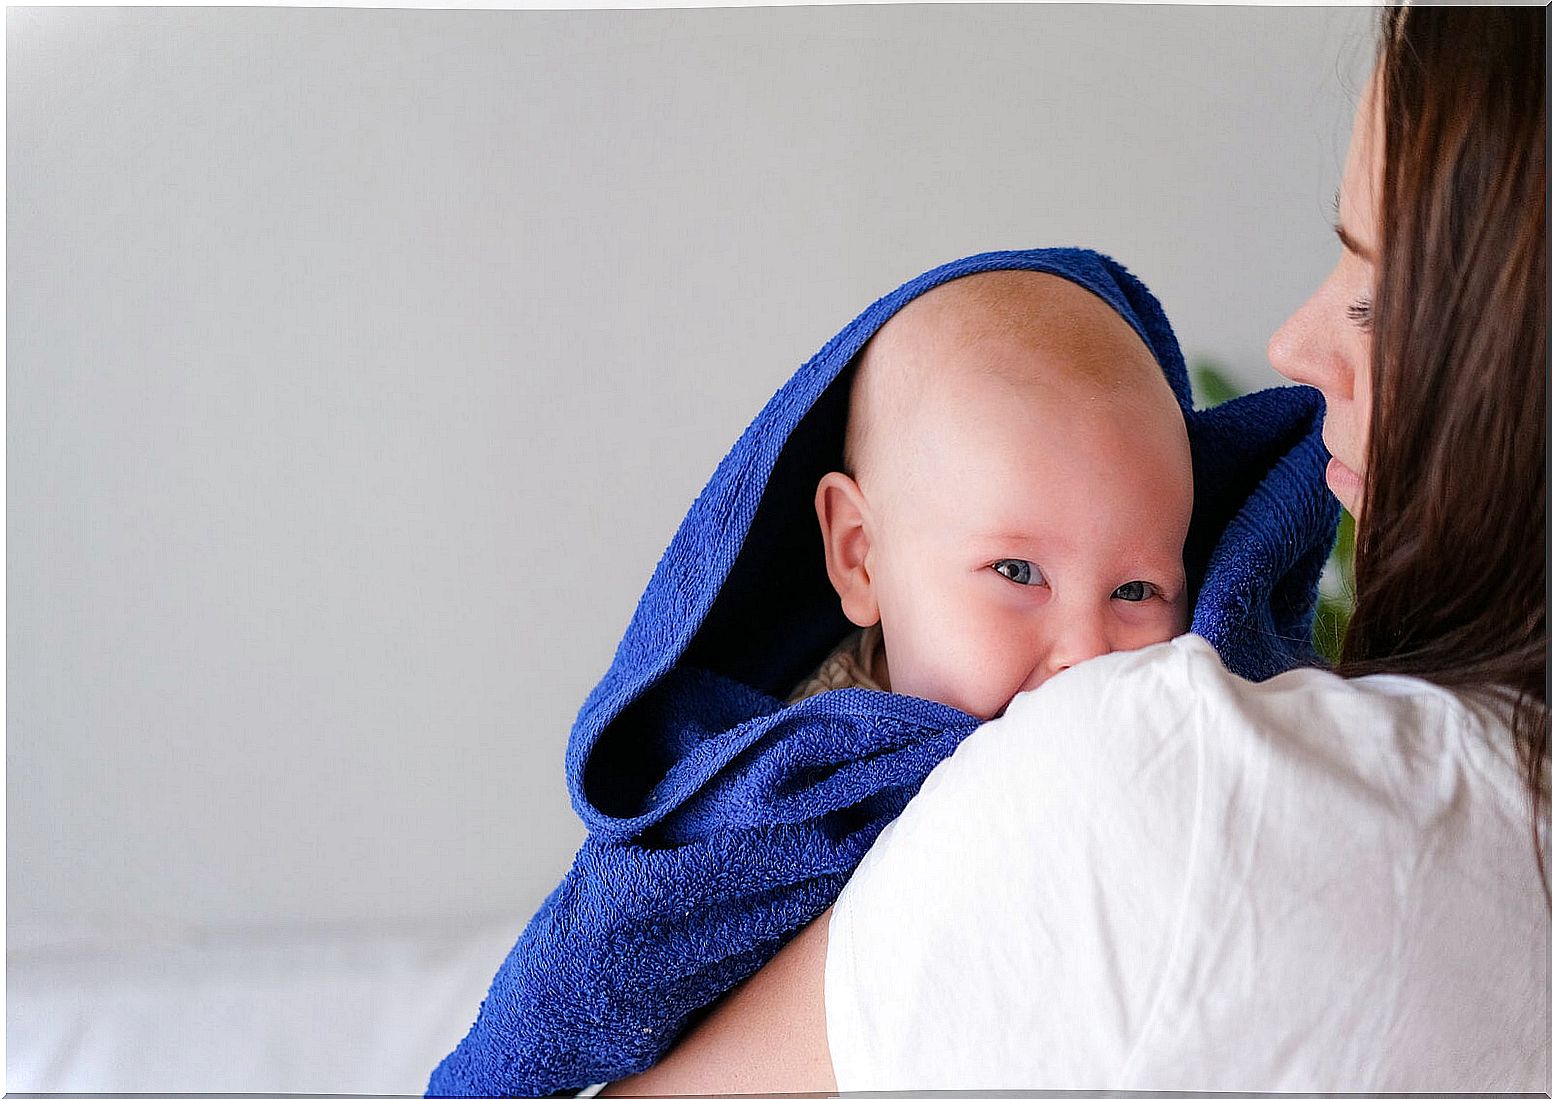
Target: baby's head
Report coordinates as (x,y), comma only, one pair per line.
(1017,490)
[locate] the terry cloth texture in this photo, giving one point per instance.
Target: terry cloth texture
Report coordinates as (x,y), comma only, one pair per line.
(720,821)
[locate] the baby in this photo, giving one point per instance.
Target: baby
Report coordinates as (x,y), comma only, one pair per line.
(1016,495)
(1011,489)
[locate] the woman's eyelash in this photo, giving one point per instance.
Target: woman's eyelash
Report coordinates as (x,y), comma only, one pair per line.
(1361,313)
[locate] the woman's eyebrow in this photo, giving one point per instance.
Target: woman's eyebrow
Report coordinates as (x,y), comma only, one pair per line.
(1343,235)
(1352,245)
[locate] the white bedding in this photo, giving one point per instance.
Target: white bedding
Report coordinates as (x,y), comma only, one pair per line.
(340,1010)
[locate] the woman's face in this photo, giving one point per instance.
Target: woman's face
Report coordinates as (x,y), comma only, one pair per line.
(1326,343)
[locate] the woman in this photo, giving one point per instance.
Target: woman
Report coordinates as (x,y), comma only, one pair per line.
(1329,881)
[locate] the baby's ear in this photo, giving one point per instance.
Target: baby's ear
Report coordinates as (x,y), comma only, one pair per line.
(843,523)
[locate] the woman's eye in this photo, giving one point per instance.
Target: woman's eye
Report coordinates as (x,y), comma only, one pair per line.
(1134,591)
(1020,572)
(1361,313)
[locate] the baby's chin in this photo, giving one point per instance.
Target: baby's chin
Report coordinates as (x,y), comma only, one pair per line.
(949,694)
(979,710)
(1000,710)
(985,712)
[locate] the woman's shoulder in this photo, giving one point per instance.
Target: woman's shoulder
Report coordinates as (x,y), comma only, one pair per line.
(1128,707)
(1186,862)
(1188,672)
(1129,741)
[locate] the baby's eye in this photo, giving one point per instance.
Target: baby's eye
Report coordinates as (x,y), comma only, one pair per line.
(1020,572)
(1135,591)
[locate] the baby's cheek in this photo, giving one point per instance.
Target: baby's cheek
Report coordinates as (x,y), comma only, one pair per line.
(1179,617)
(1006,664)
(964,671)
(1151,625)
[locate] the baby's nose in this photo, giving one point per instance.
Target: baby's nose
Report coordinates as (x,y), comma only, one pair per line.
(1081,640)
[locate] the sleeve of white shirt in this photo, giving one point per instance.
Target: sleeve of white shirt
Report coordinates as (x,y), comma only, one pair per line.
(1072,821)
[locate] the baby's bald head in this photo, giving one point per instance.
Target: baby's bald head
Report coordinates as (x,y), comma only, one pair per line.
(1017,493)
(1023,332)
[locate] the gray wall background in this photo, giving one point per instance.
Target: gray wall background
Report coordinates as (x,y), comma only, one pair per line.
(361,364)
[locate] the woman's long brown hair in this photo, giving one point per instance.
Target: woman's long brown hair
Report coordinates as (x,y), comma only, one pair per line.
(1450,573)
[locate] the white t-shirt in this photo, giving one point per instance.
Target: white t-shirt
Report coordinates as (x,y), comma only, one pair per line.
(1153,875)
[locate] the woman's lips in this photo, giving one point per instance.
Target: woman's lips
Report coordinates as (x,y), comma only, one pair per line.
(1346,485)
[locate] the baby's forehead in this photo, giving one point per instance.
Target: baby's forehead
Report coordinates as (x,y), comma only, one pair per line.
(1025,325)
(990,340)
(1011,296)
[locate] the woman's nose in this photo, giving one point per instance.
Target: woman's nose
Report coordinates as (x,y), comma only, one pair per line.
(1290,349)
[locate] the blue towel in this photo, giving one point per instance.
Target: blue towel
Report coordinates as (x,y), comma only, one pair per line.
(721,821)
